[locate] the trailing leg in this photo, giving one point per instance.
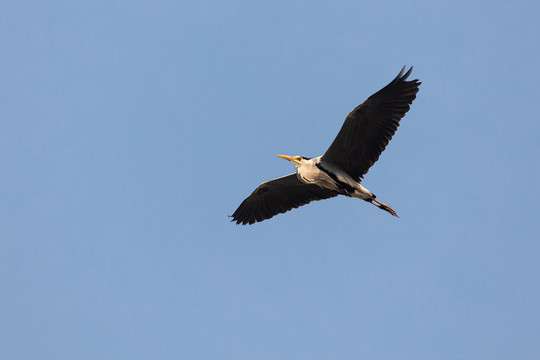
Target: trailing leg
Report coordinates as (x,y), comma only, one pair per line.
(383,206)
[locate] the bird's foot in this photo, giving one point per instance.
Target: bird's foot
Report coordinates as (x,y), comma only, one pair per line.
(384,207)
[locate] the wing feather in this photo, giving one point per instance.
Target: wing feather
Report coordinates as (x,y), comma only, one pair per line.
(370,126)
(278,196)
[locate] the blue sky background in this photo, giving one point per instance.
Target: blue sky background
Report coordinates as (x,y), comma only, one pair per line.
(130,130)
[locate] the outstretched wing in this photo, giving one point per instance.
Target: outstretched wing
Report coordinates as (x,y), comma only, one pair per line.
(368,128)
(278,196)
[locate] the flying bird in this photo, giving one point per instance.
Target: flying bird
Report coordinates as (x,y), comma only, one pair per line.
(363,137)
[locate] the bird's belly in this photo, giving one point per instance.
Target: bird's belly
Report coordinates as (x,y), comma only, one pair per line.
(333,179)
(315,176)
(326,181)
(347,185)
(321,178)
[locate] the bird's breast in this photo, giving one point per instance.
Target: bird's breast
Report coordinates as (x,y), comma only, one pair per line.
(307,174)
(312,174)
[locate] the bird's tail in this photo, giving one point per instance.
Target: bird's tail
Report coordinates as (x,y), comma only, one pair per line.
(384,207)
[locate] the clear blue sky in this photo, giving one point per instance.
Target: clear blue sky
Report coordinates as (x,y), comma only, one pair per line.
(130,130)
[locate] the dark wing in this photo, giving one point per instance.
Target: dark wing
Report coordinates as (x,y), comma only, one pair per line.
(368,128)
(278,196)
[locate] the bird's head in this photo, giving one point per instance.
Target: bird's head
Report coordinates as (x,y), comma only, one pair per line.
(296,160)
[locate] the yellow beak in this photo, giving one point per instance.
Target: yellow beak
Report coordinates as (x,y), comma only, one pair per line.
(287,157)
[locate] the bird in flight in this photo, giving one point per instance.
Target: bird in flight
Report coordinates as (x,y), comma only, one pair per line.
(362,138)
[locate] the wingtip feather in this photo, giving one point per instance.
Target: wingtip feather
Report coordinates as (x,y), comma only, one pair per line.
(407,73)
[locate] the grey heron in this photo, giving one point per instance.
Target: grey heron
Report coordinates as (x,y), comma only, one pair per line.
(363,137)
